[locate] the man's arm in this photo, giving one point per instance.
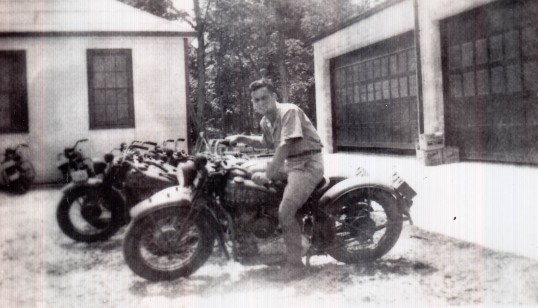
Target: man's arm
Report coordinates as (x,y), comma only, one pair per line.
(253,141)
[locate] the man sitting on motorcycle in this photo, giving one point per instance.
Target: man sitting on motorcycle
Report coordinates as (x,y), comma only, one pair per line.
(297,146)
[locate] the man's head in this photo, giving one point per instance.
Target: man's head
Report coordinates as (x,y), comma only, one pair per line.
(262,93)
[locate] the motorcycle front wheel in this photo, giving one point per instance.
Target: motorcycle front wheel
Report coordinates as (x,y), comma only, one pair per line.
(85,215)
(155,249)
(368,224)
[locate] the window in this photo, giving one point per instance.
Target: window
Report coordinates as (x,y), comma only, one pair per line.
(110,83)
(13,93)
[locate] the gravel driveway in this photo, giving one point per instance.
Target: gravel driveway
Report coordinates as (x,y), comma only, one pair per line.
(41,267)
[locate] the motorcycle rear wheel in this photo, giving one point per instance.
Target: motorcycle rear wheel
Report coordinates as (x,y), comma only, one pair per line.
(85,216)
(153,250)
(368,225)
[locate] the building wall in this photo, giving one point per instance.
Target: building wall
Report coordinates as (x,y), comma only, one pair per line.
(395,19)
(58,103)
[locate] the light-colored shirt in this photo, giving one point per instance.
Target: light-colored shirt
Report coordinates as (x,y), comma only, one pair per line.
(291,126)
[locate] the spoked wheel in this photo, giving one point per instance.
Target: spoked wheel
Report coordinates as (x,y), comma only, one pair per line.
(368,224)
(164,246)
(86,215)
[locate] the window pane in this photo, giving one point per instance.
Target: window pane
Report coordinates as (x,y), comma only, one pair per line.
(99,97)
(412,60)
(121,80)
(468,84)
(496,48)
(122,96)
(369,70)
(454,57)
(511,44)
(467,54)
(363,74)
(394,88)
(513,78)
(393,65)
(402,62)
(110,80)
(378,93)
(403,87)
(413,85)
(364,94)
(377,68)
(111,97)
(99,81)
(370,92)
(110,64)
(5,111)
(5,74)
(482,82)
(455,85)
(530,41)
(99,64)
(498,84)
(530,75)
(99,114)
(355,73)
(384,67)
(123,112)
(111,114)
(481,51)
(121,63)
(357,94)
(386,89)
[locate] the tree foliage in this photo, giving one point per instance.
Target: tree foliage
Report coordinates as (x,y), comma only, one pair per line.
(241,40)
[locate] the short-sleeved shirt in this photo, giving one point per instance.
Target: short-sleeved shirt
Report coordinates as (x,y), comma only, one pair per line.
(290,124)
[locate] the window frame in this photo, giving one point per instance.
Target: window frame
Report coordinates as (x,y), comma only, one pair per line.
(90,54)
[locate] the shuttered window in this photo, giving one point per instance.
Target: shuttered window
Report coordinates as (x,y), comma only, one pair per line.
(110,80)
(13,92)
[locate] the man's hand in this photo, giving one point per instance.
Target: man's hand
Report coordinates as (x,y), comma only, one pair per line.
(233,140)
(260,178)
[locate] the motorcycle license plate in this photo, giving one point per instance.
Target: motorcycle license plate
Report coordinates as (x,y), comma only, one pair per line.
(79,176)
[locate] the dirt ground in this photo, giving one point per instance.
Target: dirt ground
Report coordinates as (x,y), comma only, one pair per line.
(41,267)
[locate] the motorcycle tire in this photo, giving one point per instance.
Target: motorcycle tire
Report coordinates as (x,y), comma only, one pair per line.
(26,179)
(98,229)
(354,222)
(150,240)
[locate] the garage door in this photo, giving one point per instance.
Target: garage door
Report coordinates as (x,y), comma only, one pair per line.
(490,68)
(374,96)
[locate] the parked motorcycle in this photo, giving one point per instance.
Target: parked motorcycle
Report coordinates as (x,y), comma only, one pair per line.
(172,233)
(75,166)
(16,172)
(95,208)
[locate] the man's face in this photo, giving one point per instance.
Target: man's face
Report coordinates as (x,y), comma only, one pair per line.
(264,101)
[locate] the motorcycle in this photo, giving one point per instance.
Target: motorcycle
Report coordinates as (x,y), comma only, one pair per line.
(75,166)
(94,208)
(16,172)
(173,232)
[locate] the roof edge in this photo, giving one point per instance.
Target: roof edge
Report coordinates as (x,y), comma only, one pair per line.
(97,33)
(353,20)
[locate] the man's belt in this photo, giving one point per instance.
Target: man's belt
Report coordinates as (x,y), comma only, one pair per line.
(305,153)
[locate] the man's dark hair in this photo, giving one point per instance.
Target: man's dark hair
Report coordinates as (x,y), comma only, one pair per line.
(261,83)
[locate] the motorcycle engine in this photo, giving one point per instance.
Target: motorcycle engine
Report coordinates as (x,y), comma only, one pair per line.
(242,194)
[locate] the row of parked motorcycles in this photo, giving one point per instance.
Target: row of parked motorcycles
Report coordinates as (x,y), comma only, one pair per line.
(181,207)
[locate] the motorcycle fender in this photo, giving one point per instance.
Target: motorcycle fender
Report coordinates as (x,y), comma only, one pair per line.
(169,197)
(91,182)
(354,183)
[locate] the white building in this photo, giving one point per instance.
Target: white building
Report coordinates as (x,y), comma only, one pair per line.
(100,69)
(479,68)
